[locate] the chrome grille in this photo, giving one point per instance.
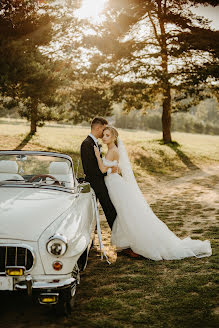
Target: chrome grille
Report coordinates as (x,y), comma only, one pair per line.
(15,256)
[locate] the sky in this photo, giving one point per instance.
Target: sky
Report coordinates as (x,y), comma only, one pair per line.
(93,8)
(209,12)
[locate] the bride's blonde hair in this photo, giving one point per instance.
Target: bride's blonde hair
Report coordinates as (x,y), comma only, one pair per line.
(114,133)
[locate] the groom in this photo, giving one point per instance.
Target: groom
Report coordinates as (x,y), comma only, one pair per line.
(93,175)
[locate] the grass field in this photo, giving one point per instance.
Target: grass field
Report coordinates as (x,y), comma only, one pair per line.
(181,184)
(144,148)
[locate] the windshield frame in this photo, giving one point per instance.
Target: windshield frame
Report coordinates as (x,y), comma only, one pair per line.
(42,153)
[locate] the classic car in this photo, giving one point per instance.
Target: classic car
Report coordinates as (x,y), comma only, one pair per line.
(47,223)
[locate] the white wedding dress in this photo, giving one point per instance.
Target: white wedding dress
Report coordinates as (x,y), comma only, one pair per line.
(136,225)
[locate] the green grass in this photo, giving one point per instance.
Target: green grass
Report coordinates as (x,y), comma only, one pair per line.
(145,293)
(147,154)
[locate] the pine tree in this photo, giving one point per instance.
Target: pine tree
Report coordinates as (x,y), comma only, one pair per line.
(40,63)
(25,73)
(162,50)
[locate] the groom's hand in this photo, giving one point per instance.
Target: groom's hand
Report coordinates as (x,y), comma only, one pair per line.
(97,152)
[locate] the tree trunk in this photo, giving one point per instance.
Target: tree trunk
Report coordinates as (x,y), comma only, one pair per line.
(33,119)
(166,116)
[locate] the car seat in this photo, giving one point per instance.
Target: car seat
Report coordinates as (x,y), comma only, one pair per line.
(8,170)
(62,172)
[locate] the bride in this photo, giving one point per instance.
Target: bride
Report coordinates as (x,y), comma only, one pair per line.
(136,225)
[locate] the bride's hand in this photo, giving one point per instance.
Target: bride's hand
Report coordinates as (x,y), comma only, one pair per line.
(114,169)
(97,152)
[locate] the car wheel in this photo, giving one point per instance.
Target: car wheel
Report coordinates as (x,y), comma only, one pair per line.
(92,243)
(66,301)
(82,262)
(70,303)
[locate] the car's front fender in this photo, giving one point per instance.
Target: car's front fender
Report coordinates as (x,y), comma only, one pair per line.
(77,225)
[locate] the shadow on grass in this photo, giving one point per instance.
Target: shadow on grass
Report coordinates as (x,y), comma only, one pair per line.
(182,156)
(162,163)
(149,163)
(24,142)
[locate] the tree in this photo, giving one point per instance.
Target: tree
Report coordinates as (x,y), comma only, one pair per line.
(90,102)
(157,50)
(40,60)
(26,74)
(83,94)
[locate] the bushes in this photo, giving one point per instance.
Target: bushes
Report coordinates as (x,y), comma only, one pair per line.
(135,120)
(183,122)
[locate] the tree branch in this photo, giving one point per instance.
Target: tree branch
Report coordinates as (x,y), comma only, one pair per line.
(154,28)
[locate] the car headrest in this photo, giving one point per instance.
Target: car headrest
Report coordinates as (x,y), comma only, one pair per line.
(58,168)
(8,167)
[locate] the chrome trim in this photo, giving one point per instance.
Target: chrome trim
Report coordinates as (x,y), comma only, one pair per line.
(57,236)
(69,190)
(16,257)
(40,153)
(26,257)
(29,284)
(48,285)
(31,152)
(22,246)
(6,255)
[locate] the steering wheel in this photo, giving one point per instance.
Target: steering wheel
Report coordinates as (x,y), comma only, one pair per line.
(44,176)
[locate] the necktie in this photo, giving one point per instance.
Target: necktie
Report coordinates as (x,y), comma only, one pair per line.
(99,149)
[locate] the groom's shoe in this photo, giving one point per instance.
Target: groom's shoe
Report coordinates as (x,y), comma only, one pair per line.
(130,253)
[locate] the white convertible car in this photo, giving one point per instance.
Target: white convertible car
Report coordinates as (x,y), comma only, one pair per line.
(47,223)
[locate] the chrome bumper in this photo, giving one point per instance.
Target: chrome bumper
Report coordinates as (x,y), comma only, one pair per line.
(29,285)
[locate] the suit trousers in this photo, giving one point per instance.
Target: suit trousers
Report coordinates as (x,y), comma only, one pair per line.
(100,189)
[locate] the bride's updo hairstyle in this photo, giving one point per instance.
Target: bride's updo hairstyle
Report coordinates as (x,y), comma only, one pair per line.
(114,133)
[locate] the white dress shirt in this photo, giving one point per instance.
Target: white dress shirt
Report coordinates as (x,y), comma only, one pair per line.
(94,139)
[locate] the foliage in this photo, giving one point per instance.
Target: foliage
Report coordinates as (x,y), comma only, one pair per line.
(203,118)
(41,69)
(83,98)
(160,47)
(26,74)
(143,55)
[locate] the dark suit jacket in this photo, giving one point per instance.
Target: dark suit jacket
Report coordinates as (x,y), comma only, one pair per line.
(96,179)
(89,160)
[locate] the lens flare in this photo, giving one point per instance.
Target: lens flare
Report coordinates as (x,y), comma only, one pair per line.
(91,9)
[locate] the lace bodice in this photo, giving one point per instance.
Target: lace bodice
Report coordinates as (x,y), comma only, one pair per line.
(106,162)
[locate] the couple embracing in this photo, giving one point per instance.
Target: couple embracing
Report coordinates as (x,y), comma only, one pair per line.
(136,230)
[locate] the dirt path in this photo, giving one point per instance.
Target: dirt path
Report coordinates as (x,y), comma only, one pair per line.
(188,205)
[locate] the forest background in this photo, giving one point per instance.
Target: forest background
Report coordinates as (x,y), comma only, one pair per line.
(143,64)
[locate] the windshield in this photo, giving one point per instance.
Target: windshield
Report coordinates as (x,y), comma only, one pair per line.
(37,169)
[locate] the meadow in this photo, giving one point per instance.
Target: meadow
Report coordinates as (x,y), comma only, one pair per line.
(181,184)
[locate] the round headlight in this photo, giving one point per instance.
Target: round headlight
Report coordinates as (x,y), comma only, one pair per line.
(57,245)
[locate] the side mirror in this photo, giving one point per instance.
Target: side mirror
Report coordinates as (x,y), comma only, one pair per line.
(84,187)
(81,180)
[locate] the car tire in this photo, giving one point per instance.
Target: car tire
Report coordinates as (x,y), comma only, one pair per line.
(92,242)
(66,302)
(82,262)
(70,302)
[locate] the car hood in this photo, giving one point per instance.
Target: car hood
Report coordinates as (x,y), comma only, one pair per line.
(26,212)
